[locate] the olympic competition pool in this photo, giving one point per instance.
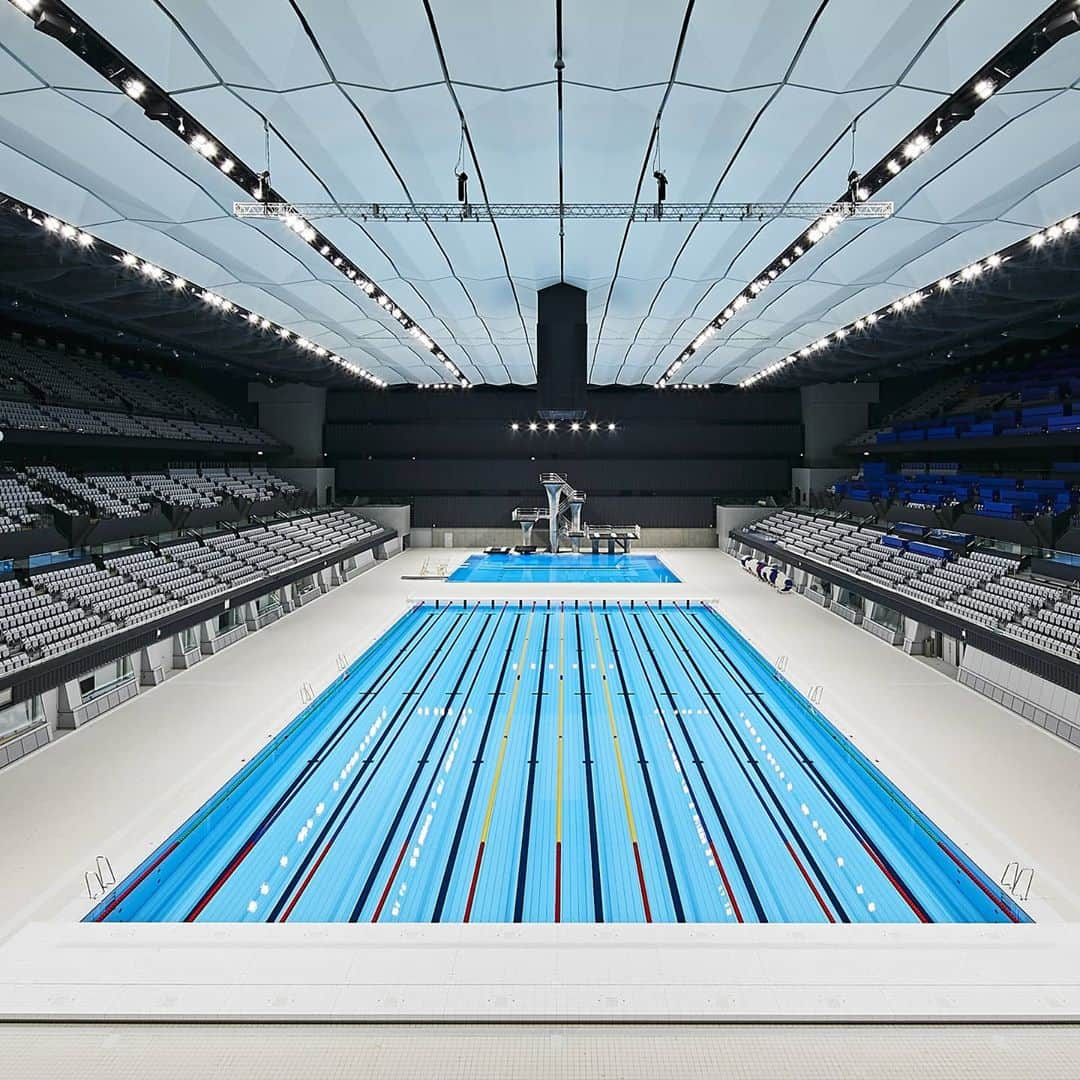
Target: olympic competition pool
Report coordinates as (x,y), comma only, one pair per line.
(539,762)
(567,567)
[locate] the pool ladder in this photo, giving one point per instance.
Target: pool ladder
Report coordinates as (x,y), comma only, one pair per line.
(101,876)
(307,694)
(1016,877)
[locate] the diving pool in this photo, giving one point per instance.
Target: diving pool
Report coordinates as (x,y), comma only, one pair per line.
(567,567)
(559,761)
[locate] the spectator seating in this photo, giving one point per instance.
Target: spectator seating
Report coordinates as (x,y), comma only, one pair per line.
(1035,400)
(111,494)
(991,496)
(978,586)
(44,389)
(76,605)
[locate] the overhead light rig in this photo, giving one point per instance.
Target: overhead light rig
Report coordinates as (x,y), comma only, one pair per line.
(434,213)
(55,18)
(1066,228)
(1059,20)
(154,275)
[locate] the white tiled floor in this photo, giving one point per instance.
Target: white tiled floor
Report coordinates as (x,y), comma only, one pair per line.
(1000,787)
(558,1052)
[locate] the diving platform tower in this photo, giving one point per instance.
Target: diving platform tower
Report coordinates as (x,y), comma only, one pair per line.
(563,516)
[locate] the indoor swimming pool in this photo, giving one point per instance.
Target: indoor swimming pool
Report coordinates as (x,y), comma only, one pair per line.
(572,762)
(566,567)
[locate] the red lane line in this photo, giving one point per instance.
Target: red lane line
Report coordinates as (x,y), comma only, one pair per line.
(472,885)
(390,881)
(224,876)
(641,882)
(558,881)
(119,898)
(995,899)
(727,884)
(920,914)
(806,877)
(307,881)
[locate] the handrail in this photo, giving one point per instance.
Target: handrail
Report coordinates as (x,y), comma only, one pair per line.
(1030,871)
(110,881)
(89,877)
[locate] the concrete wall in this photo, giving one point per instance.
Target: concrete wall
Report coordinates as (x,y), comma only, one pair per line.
(815,480)
(1042,702)
(389,517)
(734,517)
(315,480)
(832,413)
(295,414)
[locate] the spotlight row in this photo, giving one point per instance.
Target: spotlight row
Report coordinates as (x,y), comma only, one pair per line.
(60,22)
(961,106)
(1052,235)
(551,426)
(150,272)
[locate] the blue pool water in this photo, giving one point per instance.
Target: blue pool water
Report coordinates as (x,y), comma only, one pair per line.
(496,762)
(629,569)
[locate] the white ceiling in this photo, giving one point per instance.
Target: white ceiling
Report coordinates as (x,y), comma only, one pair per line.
(762,109)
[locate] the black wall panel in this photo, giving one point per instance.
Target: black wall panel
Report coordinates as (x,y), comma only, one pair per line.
(455,458)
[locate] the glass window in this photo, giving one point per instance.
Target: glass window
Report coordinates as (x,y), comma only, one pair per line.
(23,714)
(847,598)
(886,616)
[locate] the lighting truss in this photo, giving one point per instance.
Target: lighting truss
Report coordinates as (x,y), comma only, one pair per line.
(444,212)
(1058,21)
(1061,230)
(154,275)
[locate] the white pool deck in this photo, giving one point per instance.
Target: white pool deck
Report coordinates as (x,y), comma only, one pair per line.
(1000,787)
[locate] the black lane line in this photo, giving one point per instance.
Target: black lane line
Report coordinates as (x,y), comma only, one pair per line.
(822,784)
(761,785)
(590,788)
(744,872)
(424,758)
(530,787)
(643,764)
(313,762)
(478,761)
(360,782)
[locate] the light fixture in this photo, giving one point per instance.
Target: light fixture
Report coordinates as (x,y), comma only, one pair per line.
(551,425)
(514,426)
(593,425)
(134,88)
(575,426)
(155,273)
(533,425)
(984,88)
(1062,26)
(994,261)
(611,427)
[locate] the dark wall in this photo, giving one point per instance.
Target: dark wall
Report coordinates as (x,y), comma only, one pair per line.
(454,457)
